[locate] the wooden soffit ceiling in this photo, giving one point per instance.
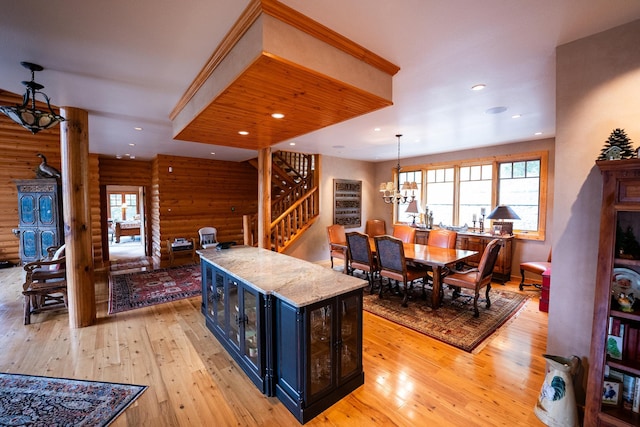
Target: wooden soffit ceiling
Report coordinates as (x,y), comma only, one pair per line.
(276,60)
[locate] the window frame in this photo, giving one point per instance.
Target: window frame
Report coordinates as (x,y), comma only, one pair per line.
(543,156)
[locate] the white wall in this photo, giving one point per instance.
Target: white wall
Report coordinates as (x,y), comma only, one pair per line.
(598,89)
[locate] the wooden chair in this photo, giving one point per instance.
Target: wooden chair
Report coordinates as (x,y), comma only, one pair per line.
(477,278)
(361,257)
(535,267)
(337,243)
(405,233)
(393,265)
(45,285)
(375,227)
(208,237)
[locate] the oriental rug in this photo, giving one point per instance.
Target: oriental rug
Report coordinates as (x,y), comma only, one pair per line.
(27,400)
(453,323)
(146,288)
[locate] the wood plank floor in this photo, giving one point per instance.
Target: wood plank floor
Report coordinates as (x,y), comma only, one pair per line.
(409,379)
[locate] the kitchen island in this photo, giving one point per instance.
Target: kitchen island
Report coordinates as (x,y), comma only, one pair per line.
(294,327)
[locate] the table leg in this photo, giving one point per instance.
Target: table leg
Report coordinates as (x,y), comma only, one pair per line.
(437,284)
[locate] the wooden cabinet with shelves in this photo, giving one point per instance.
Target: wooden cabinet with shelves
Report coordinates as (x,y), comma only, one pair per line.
(477,242)
(618,272)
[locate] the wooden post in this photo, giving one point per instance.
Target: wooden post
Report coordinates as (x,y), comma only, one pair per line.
(264,198)
(74,151)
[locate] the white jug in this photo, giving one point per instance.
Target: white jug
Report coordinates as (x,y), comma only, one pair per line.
(556,406)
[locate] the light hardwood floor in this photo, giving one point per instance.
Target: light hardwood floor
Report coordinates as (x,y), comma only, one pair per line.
(409,379)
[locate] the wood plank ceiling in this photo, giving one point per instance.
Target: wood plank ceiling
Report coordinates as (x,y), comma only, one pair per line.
(275,59)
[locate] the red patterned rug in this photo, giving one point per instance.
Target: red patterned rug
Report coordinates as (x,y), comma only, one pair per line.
(146,288)
(453,323)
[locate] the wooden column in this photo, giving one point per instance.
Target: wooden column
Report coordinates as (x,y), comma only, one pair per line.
(264,198)
(74,152)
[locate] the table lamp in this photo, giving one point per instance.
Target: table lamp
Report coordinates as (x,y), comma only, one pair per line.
(413,210)
(503,212)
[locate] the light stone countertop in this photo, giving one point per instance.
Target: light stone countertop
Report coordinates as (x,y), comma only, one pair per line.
(293,280)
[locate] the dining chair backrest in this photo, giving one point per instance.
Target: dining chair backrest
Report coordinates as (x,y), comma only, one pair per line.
(489,258)
(442,238)
(359,249)
(336,233)
(375,227)
(390,254)
(405,233)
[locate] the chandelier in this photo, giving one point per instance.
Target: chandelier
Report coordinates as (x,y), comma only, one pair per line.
(391,193)
(27,115)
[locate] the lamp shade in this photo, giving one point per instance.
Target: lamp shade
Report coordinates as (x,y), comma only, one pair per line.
(413,207)
(503,212)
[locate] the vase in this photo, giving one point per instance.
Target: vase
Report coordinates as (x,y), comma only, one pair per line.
(556,405)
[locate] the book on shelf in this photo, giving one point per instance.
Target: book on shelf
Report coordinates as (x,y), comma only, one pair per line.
(615,338)
(628,391)
(636,397)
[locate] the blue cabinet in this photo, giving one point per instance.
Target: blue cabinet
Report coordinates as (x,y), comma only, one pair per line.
(236,314)
(318,353)
(39,217)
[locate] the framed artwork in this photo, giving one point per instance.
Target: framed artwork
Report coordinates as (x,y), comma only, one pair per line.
(347,203)
(611,393)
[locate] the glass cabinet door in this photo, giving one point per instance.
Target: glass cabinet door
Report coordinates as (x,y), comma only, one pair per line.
(218,309)
(234,315)
(320,350)
(349,358)
(250,309)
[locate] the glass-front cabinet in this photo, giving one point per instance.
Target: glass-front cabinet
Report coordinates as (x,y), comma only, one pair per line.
(233,313)
(329,334)
(615,345)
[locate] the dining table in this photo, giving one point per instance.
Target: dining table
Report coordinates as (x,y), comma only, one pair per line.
(435,257)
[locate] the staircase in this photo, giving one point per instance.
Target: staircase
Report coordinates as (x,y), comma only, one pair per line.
(294,200)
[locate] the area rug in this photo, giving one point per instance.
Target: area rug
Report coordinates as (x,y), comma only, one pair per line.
(27,400)
(129,264)
(146,288)
(453,323)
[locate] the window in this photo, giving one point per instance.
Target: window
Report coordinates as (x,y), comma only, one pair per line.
(123,206)
(413,176)
(519,189)
(440,194)
(458,193)
(475,193)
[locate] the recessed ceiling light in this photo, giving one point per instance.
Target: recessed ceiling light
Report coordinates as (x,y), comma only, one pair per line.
(479,86)
(496,110)
(127,154)
(277,115)
(243,132)
(132,157)
(137,128)
(131,144)
(213,153)
(292,143)
(376,129)
(538,133)
(118,156)
(516,116)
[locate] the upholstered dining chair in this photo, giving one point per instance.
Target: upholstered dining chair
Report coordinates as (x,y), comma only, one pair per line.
(477,278)
(393,264)
(208,237)
(375,227)
(441,238)
(361,257)
(535,267)
(405,233)
(337,243)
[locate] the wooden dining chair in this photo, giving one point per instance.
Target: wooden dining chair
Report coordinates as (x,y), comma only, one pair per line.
(337,243)
(477,278)
(375,227)
(361,257)
(405,233)
(393,264)
(441,238)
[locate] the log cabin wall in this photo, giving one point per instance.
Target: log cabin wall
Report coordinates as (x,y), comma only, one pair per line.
(189,193)
(19,161)
(94,206)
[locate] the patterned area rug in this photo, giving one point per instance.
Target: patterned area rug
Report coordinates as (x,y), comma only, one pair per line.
(27,400)
(453,323)
(146,288)
(129,264)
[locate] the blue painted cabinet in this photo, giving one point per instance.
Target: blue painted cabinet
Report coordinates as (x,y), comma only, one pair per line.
(318,353)
(39,217)
(237,315)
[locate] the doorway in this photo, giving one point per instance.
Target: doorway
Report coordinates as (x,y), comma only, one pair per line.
(125,222)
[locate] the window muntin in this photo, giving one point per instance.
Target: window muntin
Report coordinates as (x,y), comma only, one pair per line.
(440,194)
(519,188)
(476,186)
